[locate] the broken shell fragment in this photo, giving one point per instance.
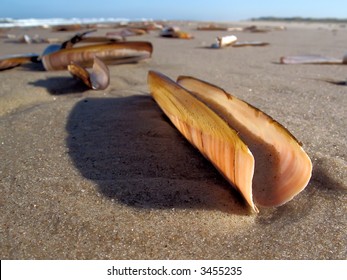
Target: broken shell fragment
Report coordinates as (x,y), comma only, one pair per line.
(98,78)
(224,41)
(282,168)
(11,61)
(112,53)
(235,137)
(312,59)
(231,40)
(175,32)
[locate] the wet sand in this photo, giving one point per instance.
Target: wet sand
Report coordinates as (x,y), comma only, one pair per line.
(104,175)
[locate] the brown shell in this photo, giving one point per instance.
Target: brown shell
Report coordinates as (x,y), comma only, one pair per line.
(10,61)
(112,53)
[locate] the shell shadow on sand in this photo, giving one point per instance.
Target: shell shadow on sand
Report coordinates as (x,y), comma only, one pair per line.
(61,85)
(135,156)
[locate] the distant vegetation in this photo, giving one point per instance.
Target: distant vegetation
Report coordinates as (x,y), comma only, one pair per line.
(301,19)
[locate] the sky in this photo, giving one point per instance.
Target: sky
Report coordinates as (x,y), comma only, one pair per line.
(213,10)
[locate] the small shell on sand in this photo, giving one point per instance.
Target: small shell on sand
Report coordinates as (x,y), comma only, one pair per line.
(98,78)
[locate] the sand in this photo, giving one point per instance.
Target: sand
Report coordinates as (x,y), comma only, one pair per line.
(104,175)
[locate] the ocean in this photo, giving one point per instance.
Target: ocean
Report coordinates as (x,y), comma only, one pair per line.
(47,22)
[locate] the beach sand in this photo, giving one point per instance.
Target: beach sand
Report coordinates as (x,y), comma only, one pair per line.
(104,175)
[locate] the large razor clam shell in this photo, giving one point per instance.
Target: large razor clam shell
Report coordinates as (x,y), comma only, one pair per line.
(282,168)
(112,53)
(312,59)
(207,132)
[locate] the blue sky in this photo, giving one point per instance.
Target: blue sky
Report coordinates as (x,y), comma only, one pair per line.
(216,10)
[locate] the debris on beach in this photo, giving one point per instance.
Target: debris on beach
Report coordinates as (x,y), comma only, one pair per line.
(224,41)
(27,39)
(255,29)
(96,52)
(175,32)
(231,40)
(251,28)
(59,56)
(97,79)
(234,135)
(68,27)
(216,27)
(8,36)
(36,39)
(126,32)
(146,26)
(312,59)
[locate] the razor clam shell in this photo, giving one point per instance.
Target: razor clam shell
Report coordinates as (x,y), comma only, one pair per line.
(282,168)
(251,44)
(206,131)
(86,38)
(312,59)
(10,61)
(112,53)
(98,79)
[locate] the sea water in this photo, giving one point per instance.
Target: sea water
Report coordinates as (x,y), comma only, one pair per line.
(47,22)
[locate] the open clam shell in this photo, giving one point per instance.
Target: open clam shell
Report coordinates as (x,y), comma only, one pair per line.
(239,139)
(111,53)
(98,78)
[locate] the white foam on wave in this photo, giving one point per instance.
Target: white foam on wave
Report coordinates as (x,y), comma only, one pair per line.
(34,22)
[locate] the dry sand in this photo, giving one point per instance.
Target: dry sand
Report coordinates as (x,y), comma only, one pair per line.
(104,175)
